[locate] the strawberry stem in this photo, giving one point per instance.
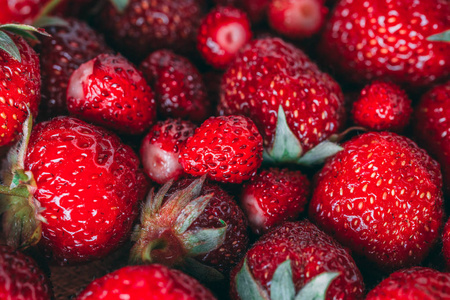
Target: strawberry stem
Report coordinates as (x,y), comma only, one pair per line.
(47,9)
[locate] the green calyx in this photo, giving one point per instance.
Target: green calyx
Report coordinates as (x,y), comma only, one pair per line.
(282,286)
(164,236)
(120,5)
(440,37)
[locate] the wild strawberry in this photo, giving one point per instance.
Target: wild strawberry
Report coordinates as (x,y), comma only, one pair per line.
(21,278)
(222,34)
(192,225)
(109,91)
(161,147)
(179,88)
(146,282)
(227,149)
(432,127)
(274,196)
(293,103)
(70,45)
(381,196)
(74,187)
(297,18)
(413,283)
(309,252)
(388,40)
(382,106)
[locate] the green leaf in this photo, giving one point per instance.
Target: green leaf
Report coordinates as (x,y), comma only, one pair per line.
(317,288)
(23,30)
(191,212)
(47,10)
(8,45)
(319,153)
(440,37)
(200,271)
(282,286)
(47,21)
(120,5)
(203,240)
(247,287)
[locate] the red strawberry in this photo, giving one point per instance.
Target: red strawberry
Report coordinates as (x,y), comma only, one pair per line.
(273,196)
(146,282)
(198,227)
(382,106)
(414,283)
(292,102)
(143,26)
(109,91)
(297,18)
(446,243)
(78,185)
(20,11)
(381,196)
(310,251)
(222,34)
(388,40)
(21,278)
(69,46)
(161,147)
(227,149)
(256,9)
(432,127)
(178,85)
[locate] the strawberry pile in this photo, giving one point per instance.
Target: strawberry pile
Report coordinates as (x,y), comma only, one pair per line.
(225,149)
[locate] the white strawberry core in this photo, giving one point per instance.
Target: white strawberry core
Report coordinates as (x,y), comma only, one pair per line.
(231,37)
(160,165)
(80,75)
(254,212)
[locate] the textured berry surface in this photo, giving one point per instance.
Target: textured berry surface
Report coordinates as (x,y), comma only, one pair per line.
(89,185)
(446,243)
(23,11)
(381,196)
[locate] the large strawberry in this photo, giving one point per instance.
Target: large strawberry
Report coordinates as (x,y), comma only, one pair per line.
(293,103)
(381,196)
(146,282)
(73,187)
(389,39)
(301,252)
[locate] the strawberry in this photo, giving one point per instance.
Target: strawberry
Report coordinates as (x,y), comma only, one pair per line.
(274,196)
(390,40)
(74,188)
(382,106)
(178,85)
(71,44)
(432,127)
(193,225)
(297,18)
(413,283)
(446,242)
(141,26)
(256,9)
(308,252)
(293,103)
(109,91)
(222,34)
(21,278)
(227,149)
(160,149)
(146,282)
(22,11)
(381,196)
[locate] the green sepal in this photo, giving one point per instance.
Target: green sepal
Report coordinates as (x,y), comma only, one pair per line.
(120,5)
(191,212)
(47,21)
(201,271)
(8,45)
(317,288)
(202,241)
(47,9)
(319,153)
(153,202)
(440,37)
(282,287)
(246,286)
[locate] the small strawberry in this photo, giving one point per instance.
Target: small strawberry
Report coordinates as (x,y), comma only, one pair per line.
(392,40)
(109,91)
(179,88)
(297,18)
(382,106)
(73,187)
(256,9)
(21,278)
(161,147)
(381,196)
(274,196)
(414,283)
(432,127)
(192,225)
(71,44)
(227,149)
(145,282)
(302,253)
(222,34)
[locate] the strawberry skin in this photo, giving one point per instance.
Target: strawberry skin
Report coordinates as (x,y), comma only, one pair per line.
(381,196)
(414,283)
(446,243)
(311,252)
(227,148)
(109,91)
(89,185)
(23,11)
(387,40)
(146,282)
